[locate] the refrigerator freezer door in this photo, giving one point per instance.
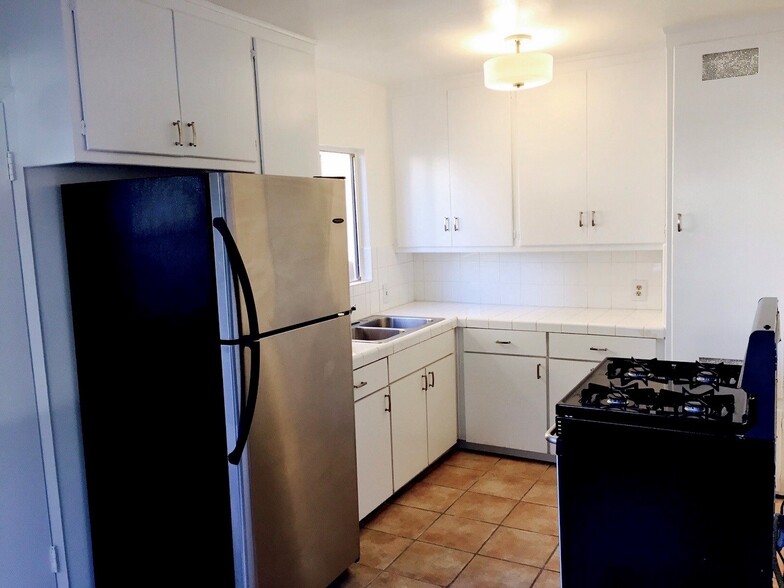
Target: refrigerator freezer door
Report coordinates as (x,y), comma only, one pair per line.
(302,458)
(291,234)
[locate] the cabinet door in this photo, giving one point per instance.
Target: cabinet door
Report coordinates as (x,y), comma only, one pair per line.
(627,130)
(480,167)
(550,127)
(505,401)
(217,90)
(441,407)
(127,76)
(287,108)
(409,427)
(421,160)
(728,170)
(562,376)
(374,450)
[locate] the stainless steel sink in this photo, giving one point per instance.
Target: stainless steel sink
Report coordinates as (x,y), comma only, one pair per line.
(373,334)
(381,328)
(397,322)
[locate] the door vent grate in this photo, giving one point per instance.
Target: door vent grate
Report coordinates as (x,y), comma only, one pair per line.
(730,64)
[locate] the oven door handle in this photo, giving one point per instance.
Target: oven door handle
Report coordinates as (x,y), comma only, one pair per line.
(551,435)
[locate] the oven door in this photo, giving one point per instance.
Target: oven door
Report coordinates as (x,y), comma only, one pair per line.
(644,507)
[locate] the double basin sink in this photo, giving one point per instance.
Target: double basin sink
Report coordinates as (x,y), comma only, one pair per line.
(382,328)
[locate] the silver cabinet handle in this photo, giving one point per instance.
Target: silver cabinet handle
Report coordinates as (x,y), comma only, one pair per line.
(360,385)
(178,124)
(580,220)
(432,379)
(457,223)
(551,435)
(424,379)
(192,127)
(678,222)
(598,348)
(503,342)
(446,224)
(538,371)
(388,403)
(593,218)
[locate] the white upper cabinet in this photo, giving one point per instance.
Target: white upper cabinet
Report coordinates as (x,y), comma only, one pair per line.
(157,81)
(452,155)
(591,154)
(480,171)
(550,124)
(288,109)
(626,152)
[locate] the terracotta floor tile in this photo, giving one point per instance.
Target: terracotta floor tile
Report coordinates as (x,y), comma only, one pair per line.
(430,563)
(453,477)
(548,579)
(429,497)
(554,563)
(542,493)
(525,547)
(387,580)
(482,507)
(504,485)
(403,521)
(533,517)
(378,550)
(525,468)
(473,461)
(551,475)
(458,533)
(486,572)
(356,576)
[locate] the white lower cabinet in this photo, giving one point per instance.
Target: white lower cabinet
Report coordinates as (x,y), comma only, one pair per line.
(405,413)
(423,396)
(373,435)
(505,389)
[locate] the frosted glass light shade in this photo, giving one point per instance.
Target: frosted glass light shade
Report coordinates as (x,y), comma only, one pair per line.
(518,71)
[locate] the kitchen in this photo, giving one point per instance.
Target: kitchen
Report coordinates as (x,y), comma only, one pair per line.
(352,112)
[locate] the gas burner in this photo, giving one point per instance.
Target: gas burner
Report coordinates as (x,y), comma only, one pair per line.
(694,407)
(614,399)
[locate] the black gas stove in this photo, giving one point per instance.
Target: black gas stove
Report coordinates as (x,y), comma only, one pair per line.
(666,470)
(689,396)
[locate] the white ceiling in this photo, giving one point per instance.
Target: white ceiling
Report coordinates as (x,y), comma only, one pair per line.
(389,41)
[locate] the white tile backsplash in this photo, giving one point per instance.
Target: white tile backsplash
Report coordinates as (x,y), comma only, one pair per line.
(600,279)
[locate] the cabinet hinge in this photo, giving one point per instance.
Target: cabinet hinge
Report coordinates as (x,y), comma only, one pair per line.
(83,128)
(53,559)
(72,5)
(9,157)
(253,53)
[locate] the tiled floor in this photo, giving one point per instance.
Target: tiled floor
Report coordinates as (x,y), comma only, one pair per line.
(474,520)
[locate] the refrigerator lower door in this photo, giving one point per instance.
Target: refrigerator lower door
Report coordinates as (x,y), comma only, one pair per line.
(301,459)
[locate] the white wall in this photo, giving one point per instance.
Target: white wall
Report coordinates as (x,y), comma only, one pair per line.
(353,114)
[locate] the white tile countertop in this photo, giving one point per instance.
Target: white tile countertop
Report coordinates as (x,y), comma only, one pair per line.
(590,321)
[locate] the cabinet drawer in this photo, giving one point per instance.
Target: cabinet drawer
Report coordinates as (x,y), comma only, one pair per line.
(505,342)
(418,356)
(370,378)
(597,347)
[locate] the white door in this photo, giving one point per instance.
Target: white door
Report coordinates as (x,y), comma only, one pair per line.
(374,450)
(421,159)
(480,166)
(217,90)
(287,110)
(25,539)
(441,407)
(626,150)
(128,76)
(728,173)
(409,427)
(550,145)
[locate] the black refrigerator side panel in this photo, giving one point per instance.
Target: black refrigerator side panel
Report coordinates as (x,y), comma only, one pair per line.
(144,303)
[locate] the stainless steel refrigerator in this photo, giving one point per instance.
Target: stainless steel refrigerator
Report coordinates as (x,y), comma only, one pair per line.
(211,323)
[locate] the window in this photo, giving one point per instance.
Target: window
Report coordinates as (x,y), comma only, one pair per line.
(344,164)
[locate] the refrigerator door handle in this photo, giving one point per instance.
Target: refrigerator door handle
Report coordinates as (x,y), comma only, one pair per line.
(248,404)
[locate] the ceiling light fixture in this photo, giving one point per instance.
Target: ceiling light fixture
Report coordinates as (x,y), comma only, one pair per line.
(518,71)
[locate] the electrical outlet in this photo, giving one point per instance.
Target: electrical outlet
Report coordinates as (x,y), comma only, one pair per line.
(640,290)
